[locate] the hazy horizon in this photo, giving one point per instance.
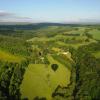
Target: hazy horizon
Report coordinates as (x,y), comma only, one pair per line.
(57,11)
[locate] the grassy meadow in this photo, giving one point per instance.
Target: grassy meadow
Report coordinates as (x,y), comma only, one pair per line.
(6,56)
(45,79)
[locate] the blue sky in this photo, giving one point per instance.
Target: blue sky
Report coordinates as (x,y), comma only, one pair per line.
(67,11)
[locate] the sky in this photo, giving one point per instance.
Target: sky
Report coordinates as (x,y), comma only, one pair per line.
(63,11)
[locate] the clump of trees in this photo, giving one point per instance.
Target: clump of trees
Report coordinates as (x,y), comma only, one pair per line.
(11,75)
(62,60)
(87,75)
(66,93)
(88,35)
(39,98)
(15,45)
(54,67)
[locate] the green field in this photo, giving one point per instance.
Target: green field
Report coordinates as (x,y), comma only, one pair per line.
(5,56)
(74,45)
(40,80)
(95,33)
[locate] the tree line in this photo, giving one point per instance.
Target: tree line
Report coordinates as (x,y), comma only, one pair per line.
(11,76)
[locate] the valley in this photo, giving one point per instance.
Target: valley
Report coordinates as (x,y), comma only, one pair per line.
(50,63)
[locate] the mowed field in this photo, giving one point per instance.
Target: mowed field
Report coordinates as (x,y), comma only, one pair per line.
(95,33)
(40,80)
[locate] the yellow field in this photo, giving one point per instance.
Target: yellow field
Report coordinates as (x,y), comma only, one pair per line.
(5,56)
(56,49)
(40,80)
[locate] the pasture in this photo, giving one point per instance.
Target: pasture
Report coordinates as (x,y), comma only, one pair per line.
(40,80)
(95,33)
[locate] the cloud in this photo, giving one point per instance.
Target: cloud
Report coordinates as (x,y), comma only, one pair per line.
(90,20)
(11,17)
(84,20)
(5,14)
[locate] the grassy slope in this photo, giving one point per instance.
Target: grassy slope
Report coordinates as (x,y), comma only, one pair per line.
(95,33)
(57,41)
(10,57)
(40,80)
(74,45)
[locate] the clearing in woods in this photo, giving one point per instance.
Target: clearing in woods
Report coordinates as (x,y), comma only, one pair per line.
(40,80)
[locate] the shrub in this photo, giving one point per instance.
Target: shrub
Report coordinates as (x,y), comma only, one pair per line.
(54,67)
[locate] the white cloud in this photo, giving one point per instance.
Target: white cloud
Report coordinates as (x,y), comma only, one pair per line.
(11,17)
(4,13)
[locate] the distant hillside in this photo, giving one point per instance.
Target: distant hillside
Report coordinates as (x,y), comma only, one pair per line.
(28,26)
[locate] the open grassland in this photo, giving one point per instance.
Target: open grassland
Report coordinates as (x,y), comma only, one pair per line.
(95,33)
(5,56)
(76,45)
(40,80)
(65,40)
(57,37)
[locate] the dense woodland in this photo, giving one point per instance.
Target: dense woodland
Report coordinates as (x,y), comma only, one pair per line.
(84,66)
